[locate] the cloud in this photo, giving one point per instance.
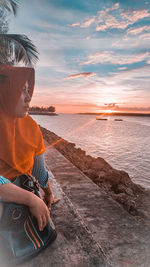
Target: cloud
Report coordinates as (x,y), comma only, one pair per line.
(126,88)
(122,20)
(132,84)
(75,24)
(115,6)
(84,24)
(138,30)
(115,58)
(132,42)
(118,107)
(110,19)
(134,15)
(62,48)
(110,22)
(145,36)
(78,75)
(110,105)
(132,109)
(142,109)
(87,23)
(122,68)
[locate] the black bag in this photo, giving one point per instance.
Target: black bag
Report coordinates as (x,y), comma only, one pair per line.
(19,229)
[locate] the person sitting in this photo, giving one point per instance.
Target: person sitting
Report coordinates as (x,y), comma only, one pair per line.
(21,143)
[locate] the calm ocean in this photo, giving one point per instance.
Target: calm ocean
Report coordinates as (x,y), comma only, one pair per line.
(124,144)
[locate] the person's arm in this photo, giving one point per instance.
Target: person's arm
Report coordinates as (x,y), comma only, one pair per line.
(12,193)
(3,180)
(42,175)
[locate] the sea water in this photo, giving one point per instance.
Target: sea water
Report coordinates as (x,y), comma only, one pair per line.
(123,144)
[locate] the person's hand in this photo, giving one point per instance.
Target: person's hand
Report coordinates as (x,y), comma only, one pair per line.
(39,209)
(12,193)
(50,199)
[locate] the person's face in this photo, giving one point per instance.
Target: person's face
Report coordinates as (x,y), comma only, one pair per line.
(22,106)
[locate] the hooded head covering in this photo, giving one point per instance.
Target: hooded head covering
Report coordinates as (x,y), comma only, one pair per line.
(20,138)
(12,81)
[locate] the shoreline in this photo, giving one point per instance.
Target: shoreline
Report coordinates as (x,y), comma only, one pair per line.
(42,113)
(116,114)
(115,183)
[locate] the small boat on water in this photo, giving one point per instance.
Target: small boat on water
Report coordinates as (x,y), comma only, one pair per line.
(118,120)
(101,119)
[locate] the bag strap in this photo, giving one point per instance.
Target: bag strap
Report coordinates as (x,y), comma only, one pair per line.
(33,185)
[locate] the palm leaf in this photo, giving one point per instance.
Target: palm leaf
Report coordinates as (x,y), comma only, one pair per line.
(16,48)
(10,5)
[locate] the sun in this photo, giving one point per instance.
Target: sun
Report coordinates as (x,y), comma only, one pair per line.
(109,111)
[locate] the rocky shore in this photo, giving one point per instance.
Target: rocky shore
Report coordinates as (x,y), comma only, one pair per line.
(116,183)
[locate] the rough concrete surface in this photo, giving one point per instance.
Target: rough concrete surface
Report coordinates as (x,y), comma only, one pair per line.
(74,245)
(124,238)
(93,230)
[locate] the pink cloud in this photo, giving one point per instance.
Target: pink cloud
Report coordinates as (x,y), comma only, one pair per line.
(111,22)
(87,23)
(107,19)
(124,108)
(122,68)
(145,36)
(125,19)
(115,6)
(138,30)
(132,109)
(75,24)
(135,15)
(114,58)
(78,75)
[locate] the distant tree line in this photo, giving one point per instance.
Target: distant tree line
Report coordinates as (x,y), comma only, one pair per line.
(43,109)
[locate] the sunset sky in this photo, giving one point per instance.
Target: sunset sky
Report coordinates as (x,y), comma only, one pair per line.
(93,54)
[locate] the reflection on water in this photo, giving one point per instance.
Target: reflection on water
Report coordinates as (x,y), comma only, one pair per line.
(124,144)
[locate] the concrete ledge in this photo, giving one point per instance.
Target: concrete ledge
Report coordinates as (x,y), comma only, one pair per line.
(124,238)
(93,230)
(74,245)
